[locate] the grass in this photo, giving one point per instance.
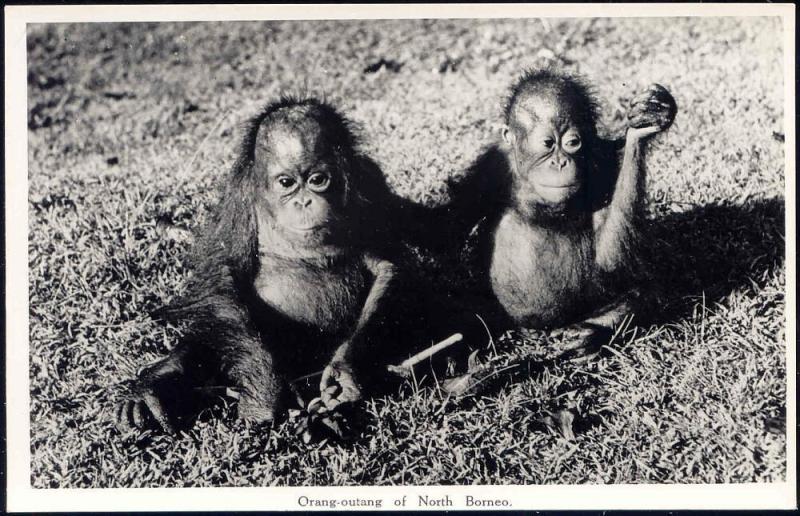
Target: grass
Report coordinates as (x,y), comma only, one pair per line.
(132,124)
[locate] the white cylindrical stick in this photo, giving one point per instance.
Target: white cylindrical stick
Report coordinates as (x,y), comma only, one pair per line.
(410,362)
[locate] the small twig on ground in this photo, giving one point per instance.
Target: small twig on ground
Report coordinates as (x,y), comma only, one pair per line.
(488,332)
(306,376)
(404,369)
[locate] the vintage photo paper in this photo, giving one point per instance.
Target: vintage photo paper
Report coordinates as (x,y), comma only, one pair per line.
(400,257)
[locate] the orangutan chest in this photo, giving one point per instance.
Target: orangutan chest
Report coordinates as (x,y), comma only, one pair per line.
(535,274)
(328,297)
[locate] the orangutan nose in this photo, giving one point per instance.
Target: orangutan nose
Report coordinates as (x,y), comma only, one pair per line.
(559,161)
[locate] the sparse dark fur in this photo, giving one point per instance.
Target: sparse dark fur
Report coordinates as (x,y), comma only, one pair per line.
(550,259)
(575,91)
(236,338)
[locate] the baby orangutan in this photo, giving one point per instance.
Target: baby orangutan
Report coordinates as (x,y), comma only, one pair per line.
(561,208)
(295,273)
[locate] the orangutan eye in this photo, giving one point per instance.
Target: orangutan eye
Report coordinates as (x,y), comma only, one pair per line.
(573,144)
(319,180)
(286,182)
(548,143)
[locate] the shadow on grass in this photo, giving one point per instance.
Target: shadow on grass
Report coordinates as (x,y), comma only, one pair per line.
(711,251)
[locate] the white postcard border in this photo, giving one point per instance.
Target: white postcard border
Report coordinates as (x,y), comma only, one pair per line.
(22,497)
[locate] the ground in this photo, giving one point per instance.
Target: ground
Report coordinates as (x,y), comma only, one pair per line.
(131,126)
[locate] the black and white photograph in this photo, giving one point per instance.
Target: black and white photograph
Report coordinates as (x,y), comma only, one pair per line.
(469,253)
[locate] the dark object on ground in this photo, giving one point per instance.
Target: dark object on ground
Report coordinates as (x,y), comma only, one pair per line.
(388,64)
